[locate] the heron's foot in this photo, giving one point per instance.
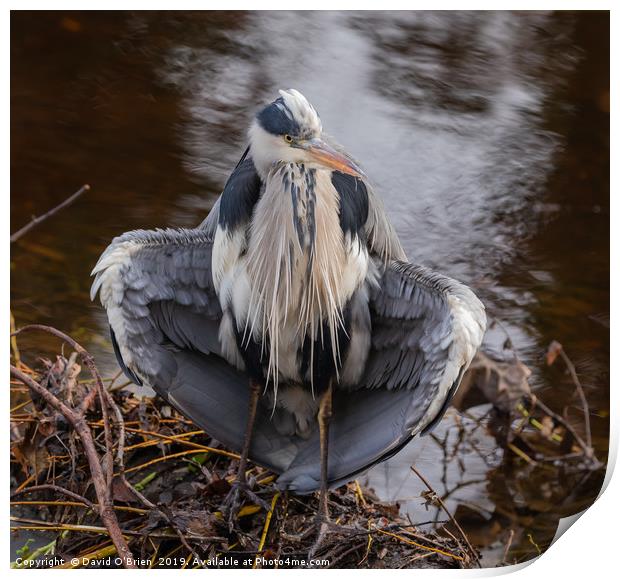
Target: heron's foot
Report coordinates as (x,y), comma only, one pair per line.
(234,500)
(325,527)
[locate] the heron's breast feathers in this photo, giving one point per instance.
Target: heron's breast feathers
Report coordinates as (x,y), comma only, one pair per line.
(291,270)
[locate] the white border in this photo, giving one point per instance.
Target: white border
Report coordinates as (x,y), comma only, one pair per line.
(589,546)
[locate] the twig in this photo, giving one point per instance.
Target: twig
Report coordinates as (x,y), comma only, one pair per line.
(419,545)
(122,473)
(553,350)
(454,521)
(521,454)
(184,442)
(25,484)
(50,526)
(87,401)
(56,489)
(582,396)
(79,424)
(368,543)
(163,459)
(84,355)
(263,536)
(360,494)
(76,504)
(104,397)
(181,536)
(343,554)
(411,560)
(14,348)
(36,220)
(108,459)
(587,450)
(156,442)
(531,540)
(507,547)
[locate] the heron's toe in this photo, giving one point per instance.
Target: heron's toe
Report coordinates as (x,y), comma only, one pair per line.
(239,493)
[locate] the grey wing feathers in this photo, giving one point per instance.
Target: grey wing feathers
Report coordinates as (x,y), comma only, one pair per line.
(366,429)
(164,315)
(158,291)
(215,396)
(426,328)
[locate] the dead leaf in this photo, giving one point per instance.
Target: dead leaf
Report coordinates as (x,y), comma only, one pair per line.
(502,383)
(120,492)
(553,351)
(218,486)
(430,499)
(547,426)
(32,457)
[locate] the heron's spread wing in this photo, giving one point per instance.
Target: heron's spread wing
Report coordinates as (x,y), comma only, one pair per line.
(425,326)
(157,289)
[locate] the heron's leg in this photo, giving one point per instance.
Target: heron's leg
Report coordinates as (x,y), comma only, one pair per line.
(324,525)
(322,519)
(324,417)
(255,389)
(232,503)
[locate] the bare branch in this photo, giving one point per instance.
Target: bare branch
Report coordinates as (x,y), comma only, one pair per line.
(454,521)
(79,424)
(36,220)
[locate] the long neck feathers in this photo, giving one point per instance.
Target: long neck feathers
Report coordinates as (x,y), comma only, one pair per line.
(295,261)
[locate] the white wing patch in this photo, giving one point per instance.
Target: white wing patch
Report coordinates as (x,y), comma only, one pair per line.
(468,327)
(109,283)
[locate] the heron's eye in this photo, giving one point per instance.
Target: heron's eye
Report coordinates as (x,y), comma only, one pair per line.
(288,138)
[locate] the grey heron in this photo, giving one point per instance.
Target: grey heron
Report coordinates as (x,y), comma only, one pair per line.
(290,324)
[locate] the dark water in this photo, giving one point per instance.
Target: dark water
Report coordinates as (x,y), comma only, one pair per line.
(486,133)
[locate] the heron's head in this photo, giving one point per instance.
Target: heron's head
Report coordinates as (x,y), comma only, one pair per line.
(289,130)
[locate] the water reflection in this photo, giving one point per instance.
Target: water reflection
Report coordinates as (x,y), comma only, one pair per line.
(486,133)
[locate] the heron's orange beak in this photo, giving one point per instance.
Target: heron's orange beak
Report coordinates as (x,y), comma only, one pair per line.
(325,154)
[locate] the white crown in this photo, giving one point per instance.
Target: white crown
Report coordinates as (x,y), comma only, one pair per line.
(303,112)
